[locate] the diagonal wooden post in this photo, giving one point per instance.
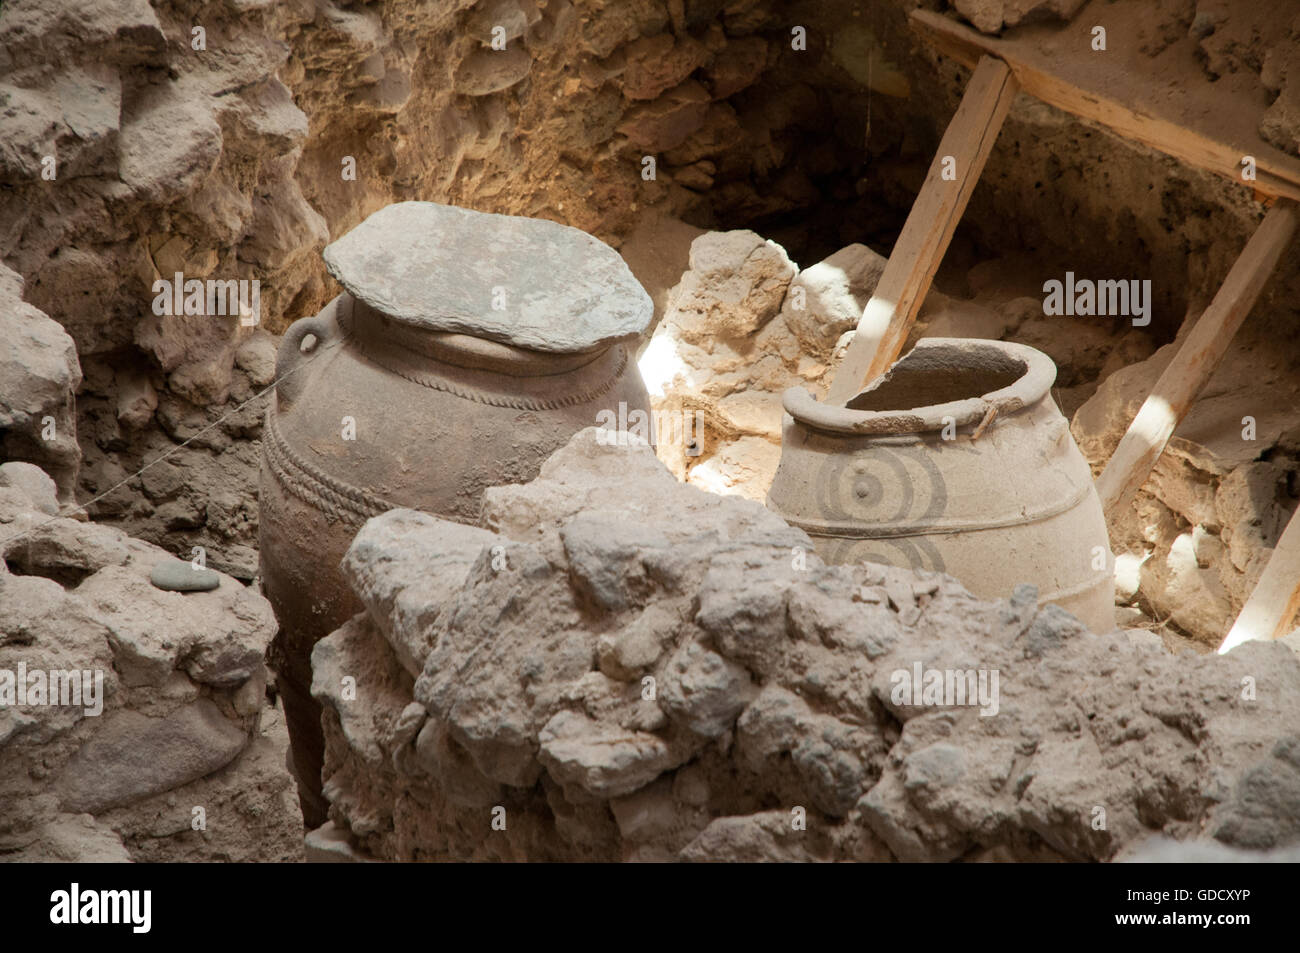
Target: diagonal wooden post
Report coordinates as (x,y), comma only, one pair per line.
(965,148)
(1196,359)
(1276,597)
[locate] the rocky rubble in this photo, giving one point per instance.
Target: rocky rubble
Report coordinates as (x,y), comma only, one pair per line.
(744,323)
(199,495)
(741,326)
(622,667)
(1204,524)
(167,751)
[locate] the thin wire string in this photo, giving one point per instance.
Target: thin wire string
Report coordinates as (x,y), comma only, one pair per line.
(180,446)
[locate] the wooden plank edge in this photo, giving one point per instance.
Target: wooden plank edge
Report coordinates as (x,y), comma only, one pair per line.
(1276,597)
(1198,356)
(874,348)
(966,46)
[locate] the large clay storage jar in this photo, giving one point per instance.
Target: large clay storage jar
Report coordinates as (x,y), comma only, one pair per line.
(466,349)
(957,460)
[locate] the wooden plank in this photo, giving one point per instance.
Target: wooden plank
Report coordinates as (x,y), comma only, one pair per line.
(1276,599)
(1073,82)
(1196,359)
(889,314)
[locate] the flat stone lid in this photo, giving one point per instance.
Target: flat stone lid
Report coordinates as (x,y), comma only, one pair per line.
(440,267)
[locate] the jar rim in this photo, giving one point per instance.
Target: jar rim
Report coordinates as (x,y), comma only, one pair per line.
(1030,374)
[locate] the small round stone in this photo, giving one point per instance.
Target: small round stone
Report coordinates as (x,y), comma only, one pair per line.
(176,575)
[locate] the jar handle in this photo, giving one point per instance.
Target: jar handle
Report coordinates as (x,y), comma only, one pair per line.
(288,382)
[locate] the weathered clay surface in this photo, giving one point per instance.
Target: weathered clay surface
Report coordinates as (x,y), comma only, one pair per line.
(884,480)
(181,723)
(634,669)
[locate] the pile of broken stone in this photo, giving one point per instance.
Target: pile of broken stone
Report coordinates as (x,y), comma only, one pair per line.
(168,754)
(133,719)
(619,666)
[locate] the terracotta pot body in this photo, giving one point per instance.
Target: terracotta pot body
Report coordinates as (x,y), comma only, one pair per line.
(903,475)
(435,418)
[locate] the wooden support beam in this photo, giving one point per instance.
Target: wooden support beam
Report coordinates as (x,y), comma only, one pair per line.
(1069,78)
(1196,359)
(1276,598)
(965,148)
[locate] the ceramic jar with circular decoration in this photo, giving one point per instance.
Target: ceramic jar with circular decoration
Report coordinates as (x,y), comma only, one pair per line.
(957,460)
(398,394)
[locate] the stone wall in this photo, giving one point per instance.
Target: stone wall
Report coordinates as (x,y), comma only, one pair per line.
(167,750)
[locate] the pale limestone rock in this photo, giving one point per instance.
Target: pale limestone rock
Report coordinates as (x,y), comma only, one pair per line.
(1128,577)
(766,837)
(217,637)
(396,591)
(735,285)
(827,299)
(598,760)
(704,691)
(39,373)
(34,483)
(636,688)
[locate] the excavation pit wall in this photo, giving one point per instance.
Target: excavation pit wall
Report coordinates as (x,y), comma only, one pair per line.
(621,667)
(161,168)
